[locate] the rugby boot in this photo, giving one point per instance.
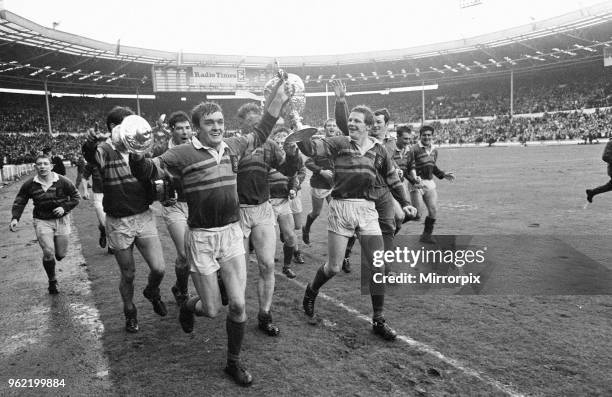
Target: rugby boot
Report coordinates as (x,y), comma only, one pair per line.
(187,314)
(309,301)
(179,296)
(238,373)
(287,271)
(222,290)
(382,329)
(298,257)
(590,195)
(305,235)
(265,324)
(159,306)
(131,322)
(346,265)
(427,238)
(53,287)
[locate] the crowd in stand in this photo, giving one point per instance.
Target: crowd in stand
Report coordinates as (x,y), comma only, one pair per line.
(454,108)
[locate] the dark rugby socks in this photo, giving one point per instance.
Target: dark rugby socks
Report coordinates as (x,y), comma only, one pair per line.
(182,277)
(49,266)
(309,221)
(378,302)
(320,279)
(235,335)
(287,255)
(429,225)
(349,246)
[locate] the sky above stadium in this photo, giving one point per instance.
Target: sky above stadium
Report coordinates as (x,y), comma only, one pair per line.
(283,28)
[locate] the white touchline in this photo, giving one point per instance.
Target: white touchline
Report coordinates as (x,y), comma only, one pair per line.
(87,315)
(419,345)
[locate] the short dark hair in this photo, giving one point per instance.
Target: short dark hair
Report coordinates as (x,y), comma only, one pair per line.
(204,109)
(42,156)
(46,149)
(426,128)
(116,116)
(246,108)
(178,117)
(367,112)
(403,128)
(383,112)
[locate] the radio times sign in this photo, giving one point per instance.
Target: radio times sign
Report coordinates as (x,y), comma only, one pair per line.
(208,78)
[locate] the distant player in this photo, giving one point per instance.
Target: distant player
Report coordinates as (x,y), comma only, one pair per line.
(421,170)
(54,196)
(607,157)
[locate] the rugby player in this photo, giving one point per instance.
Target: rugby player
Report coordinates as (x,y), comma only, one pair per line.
(207,168)
(390,214)
(129,220)
(421,170)
(320,182)
(175,211)
(282,190)
(58,164)
(358,161)
(54,196)
(256,213)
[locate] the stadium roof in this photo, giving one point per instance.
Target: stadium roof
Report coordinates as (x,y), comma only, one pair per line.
(31,52)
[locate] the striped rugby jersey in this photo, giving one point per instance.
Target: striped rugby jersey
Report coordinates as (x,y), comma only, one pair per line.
(253,170)
(316,165)
(424,162)
(356,174)
(61,193)
(281,184)
(208,177)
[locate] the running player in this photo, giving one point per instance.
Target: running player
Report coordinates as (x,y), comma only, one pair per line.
(175,212)
(422,168)
(320,181)
(256,213)
(358,161)
(208,167)
(54,196)
(282,189)
(129,220)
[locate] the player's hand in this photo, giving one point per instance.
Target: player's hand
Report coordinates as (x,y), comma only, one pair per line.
(85,196)
(328,175)
(59,211)
(449,176)
(339,89)
(292,194)
(13,225)
(410,212)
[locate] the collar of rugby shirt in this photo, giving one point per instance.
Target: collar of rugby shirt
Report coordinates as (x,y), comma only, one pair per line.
(213,152)
(369,144)
(46,185)
(428,149)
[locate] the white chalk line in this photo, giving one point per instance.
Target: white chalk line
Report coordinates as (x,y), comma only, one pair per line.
(86,315)
(420,346)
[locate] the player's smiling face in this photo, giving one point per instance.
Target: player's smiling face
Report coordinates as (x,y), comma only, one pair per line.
(426,137)
(380,128)
(211,131)
(357,126)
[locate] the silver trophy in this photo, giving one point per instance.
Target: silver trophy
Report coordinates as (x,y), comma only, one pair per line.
(294,108)
(133,135)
